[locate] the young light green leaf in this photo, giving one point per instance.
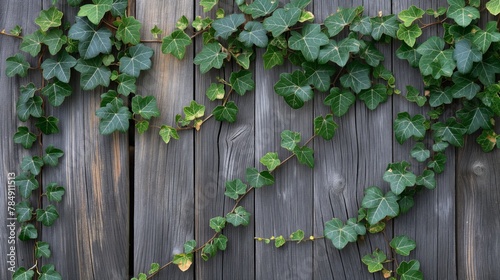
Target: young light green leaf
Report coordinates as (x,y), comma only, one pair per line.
(270,161)
(55,192)
(226,113)
(238,217)
(32,164)
(47,216)
(16,65)
(32,43)
(254,34)
(258,179)
(93,73)
(24,137)
(379,205)
(49,18)
(211,56)
(294,88)
(409,34)
(60,68)
(26,183)
(176,44)
(91,41)
(139,59)
(375,261)
(235,188)
(357,77)
(406,126)
(129,30)
(155,267)
(452,132)
(242,81)
(419,152)
(339,233)
(182,23)
(290,139)
(145,106)
(42,250)
(260,8)
(208,4)
(399,177)
(24,211)
(113,118)
(142,126)
(297,236)
(218,223)
(281,20)
(279,241)
(95,12)
(305,155)
(167,133)
(463,15)
(183,261)
(342,18)
(215,91)
(488,140)
(403,245)
(411,14)
(226,26)
(309,41)
(325,127)
(339,101)
(465,55)
(52,155)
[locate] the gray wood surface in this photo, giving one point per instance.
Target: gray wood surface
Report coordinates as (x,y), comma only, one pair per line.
(132,200)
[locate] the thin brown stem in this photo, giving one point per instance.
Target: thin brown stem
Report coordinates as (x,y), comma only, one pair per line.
(433,23)
(10,35)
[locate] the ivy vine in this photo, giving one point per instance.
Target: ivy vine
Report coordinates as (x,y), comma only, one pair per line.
(339,57)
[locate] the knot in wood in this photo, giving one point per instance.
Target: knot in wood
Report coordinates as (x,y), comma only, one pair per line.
(478,168)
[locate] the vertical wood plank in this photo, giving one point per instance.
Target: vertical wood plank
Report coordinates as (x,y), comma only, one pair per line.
(163,174)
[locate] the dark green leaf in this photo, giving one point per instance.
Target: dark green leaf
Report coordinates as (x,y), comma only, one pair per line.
(410,270)
(49,273)
(340,101)
(273,56)
(92,41)
(93,73)
(28,231)
(325,127)
(235,188)
(270,161)
(129,31)
(56,92)
(47,216)
(23,274)
(440,146)
(42,250)
(488,140)
(126,84)
(142,126)
(52,155)
(54,39)
(24,211)
(226,113)
(294,88)
(409,53)
(413,95)
(362,25)
(486,70)
(32,164)
(32,43)
(60,68)
(176,44)
(406,126)
(339,233)
(139,59)
(242,81)
(30,107)
(374,96)
(476,116)
(258,179)
(24,137)
(435,61)
(357,77)
(399,177)
(16,65)
(379,206)
(289,139)
(27,183)
(451,132)
(118,8)
(405,204)
(218,223)
(463,87)
(370,54)
(281,20)
(48,125)
(483,38)
(387,25)
(427,179)
(305,155)
(254,34)
(438,162)
(309,41)
(95,12)
(260,8)
(113,118)
(338,52)
(238,217)
(55,192)
(420,153)
(167,133)
(226,26)
(465,55)
(403,245)
(342,18)
(375,261)
(221,242)
(215,91)
(145,106)
(211,56)
(49,18)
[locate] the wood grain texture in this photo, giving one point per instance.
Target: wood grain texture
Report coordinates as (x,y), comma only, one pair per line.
(163,174)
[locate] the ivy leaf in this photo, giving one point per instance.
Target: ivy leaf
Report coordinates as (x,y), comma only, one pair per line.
(273,56)
(493,7)
(463,16)
(226,26)
(215,91)
(167,133)
(126,84)
(357,77)
(92,41)
(183,261)
(406,126)
(488,140)
(47,216)
(218,223)
(139,59)
(410,270)
(208,251)
(221,242)
(258,179)
(28,231)
(32,43)
(238,217)
(342,18)
(113,118)
(387,25)
(318,75)
(210,57)
(370,54)
(305,155)
(403,245)
(260,8)
(290,139)
(254,34)
(420,153)
(242,81)
(145,106)
(56,92)
(27,183)
(440,146)
(155,267)
(23,274)
(95,12)
(142,126)
(176,44)
(427,179)
(475,117)
(208,4)
(24,211)
(281,20)
(49,18)
(42,250)
(24,137)
(399,177)
(55,192)
(129,31)
(226,113)
(48,125)
(451,132)
(32,164)
(375,261)
(309,42)
(297,236)
(483,38)
(189,246)
(409,34)
(411,14)
(118,8)
(439,96)
(30,107)
(408,53)
(325,127)
(60,68)
(486,70)
(438,162)
(16,65)
(235,188)
(93,73)
(338,52)
(52,155)
(294,88)
(362,25)
(413,95)
(465,55)
(463,87)
(270,161)
(379,206)
(54,39)
(339,101)
(435,61)
(374,96)
(339,233)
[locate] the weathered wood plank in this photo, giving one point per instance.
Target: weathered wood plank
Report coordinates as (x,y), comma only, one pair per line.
(163,174)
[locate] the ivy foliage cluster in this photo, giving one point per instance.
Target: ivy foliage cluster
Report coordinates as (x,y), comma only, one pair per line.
(338,60)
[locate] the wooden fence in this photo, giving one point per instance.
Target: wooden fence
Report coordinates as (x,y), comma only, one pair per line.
(132,200)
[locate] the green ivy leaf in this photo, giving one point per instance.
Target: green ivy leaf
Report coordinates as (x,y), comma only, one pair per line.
(405,204)
(342,18)
(463,87)
(294,88)
(27,183)
(403,245)
(155,267)
(183,261)
(260,8)
(56,92)
(52,155)
(427,179)
(23,274)
(54,39)
(142,126)
(93,73)
(318,75)
(408,53)
(129,31)
(273,56)
(435,61)
(211,56)
(379,206)
(309,41)
(118,8)
(95,12)
(325,127)
(413,95)
(113,118)
(32,43)
(91,41)
(411,14)
(226,26)
(254,34)
(258,179)
(409,34)
(338,52)
(420,153)
(339,233)
(42,249)
(290,139)
(451,132)
(139,59)
(235,188)
(189,246)
(340,101)
(182,23)
(145,106)
(24,211)
(32,164)
(279,241)
(208,4)
(387,25)
(208,251)
(167,133)
(488,140)
(357,77)
(47,216)
(281,20)
(375,261)
(60,68)
(200,24)
(440,146)
(493,7)
(465,55)
(406,126)
(28,231)
(374,96)
(226,113)
(370,54)
(438,162)
(486,70)
(270,161)
(483,38)
(48,125)
(215,91)
(16,65)
(242,81)
(221,242)
(305,155)
(126,84)
(297,236)
(30,107)
(410,270)
(24,137)
(399,177)
(49,273)
(176,44)
(218,223)
(238,217)
(55,192)
(49,18)
(463,16)
(439,96)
